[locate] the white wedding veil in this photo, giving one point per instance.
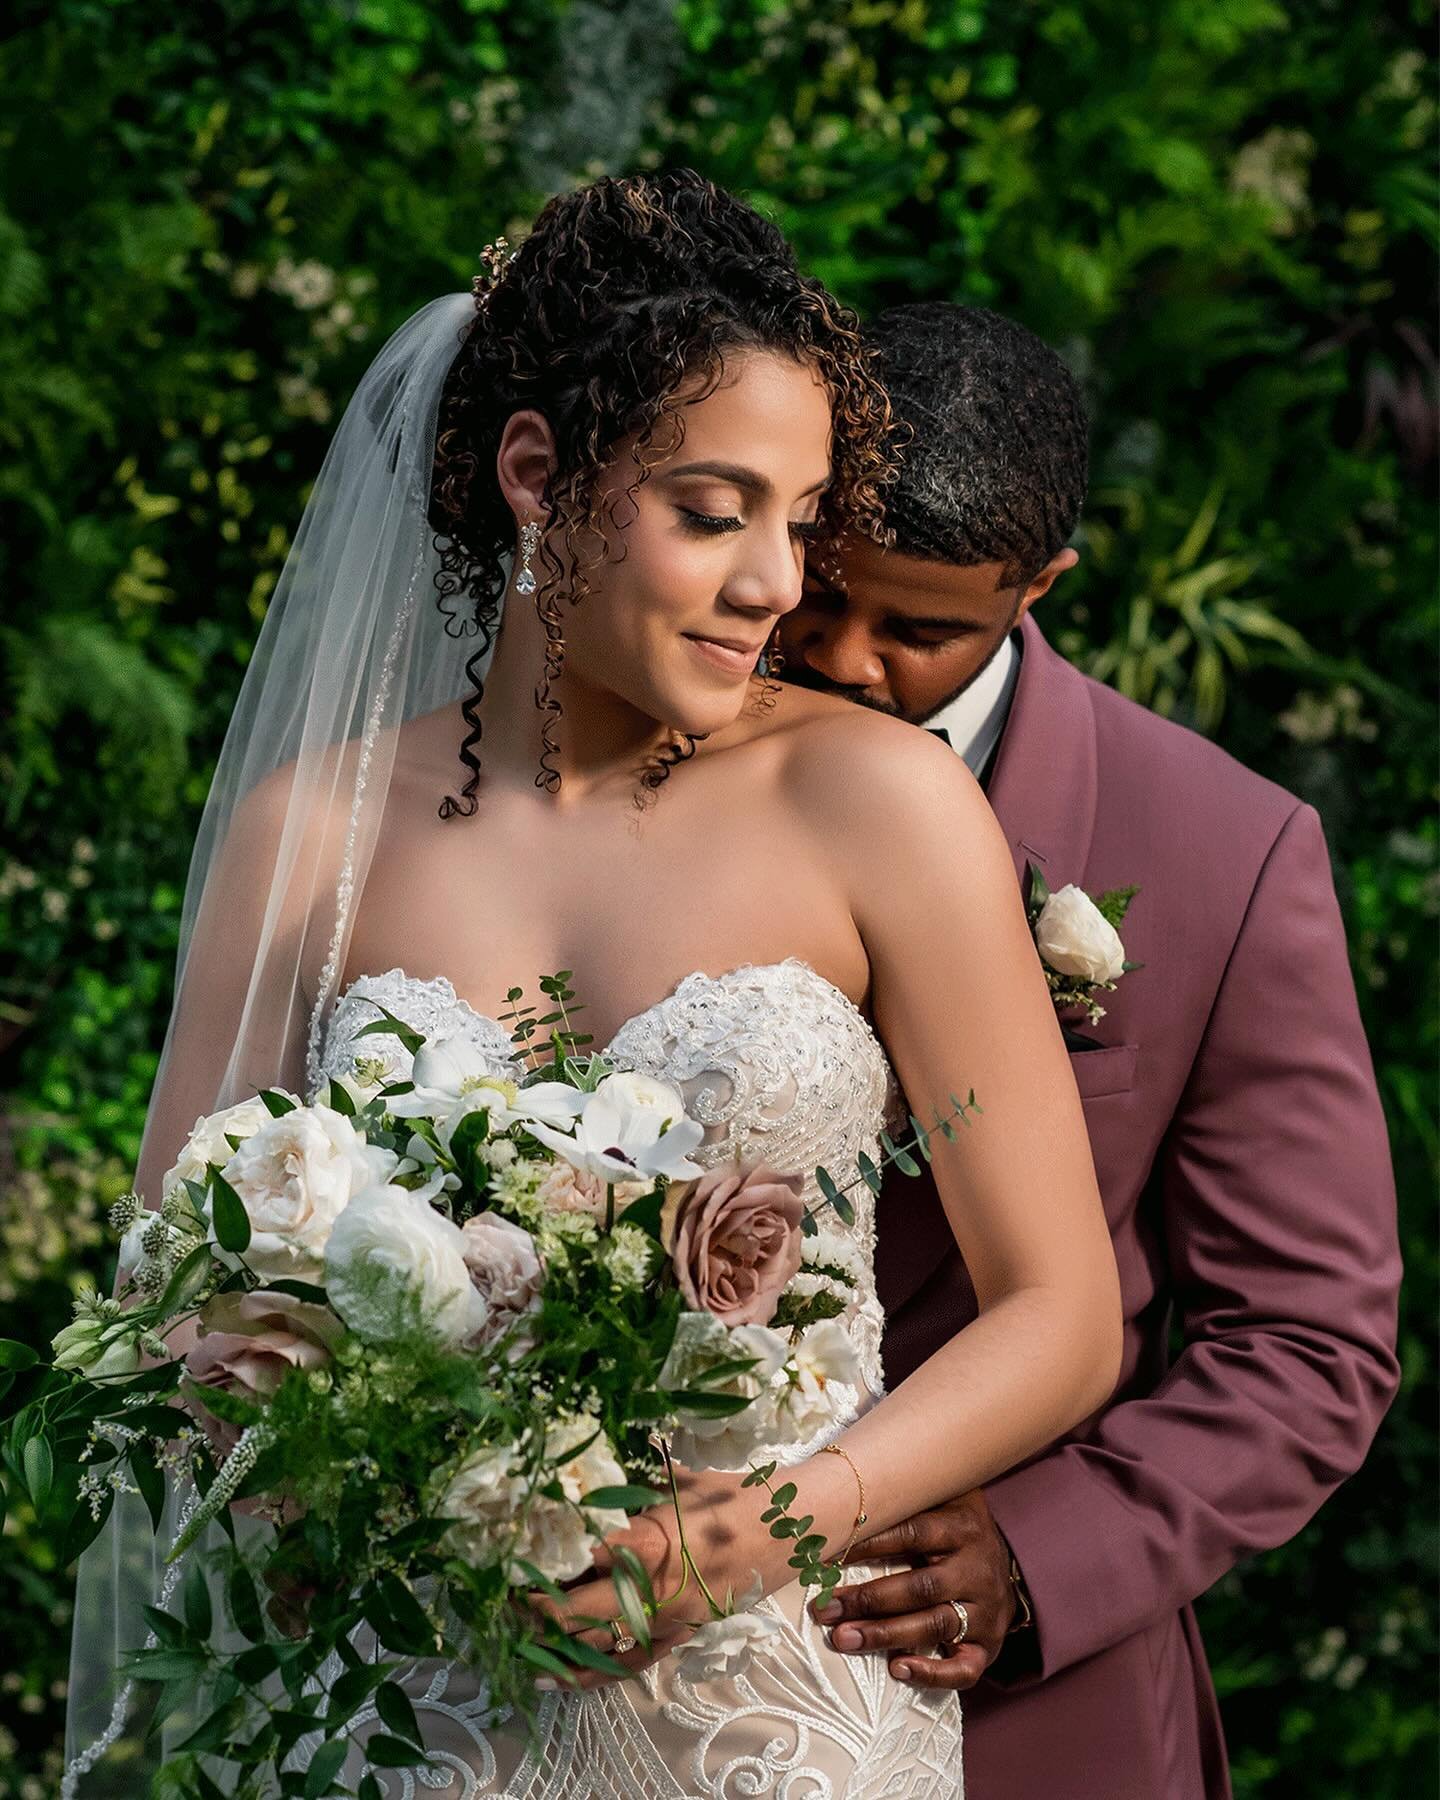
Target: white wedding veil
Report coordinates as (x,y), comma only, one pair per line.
(353,646)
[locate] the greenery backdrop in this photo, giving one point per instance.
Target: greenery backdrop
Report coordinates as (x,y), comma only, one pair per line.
(1222,212)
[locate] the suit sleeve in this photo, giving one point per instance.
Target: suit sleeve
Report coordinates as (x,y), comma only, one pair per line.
(1280,1236)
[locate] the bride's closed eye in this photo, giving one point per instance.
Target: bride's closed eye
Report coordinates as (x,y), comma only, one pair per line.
(714,524)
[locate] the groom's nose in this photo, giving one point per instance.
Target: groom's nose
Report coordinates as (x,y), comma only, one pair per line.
(841,649)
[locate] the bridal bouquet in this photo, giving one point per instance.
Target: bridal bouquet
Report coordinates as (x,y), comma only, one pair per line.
(446,1328)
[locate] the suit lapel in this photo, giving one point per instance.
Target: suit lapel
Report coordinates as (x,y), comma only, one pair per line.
(1044,781)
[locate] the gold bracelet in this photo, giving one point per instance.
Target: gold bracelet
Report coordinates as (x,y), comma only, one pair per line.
(862,1516)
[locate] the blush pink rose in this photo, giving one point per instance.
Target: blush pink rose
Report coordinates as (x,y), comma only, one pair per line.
(734,1241)
(249,1343)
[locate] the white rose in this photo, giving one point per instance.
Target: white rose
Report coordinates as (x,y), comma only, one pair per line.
(1076,938)
(295,1176)
(826,1374)
(721,1648)
(701,1342)
(389,1244)
(483,1499)
(208,1140)
(560,1538)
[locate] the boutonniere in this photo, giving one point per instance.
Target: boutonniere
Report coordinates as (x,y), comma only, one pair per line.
(1079,942)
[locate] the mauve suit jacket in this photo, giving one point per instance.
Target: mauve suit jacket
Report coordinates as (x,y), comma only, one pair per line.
(1243,1161)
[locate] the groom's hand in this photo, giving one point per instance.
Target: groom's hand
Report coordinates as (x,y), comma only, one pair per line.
(960,1555)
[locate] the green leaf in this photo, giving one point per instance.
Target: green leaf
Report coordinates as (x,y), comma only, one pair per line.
(392,1753)
(163,1422)
(339,1100)
(584,1656)
(761,1473)
(218,1729)
(198,1614)
(369,1788)
(706,1406)
(149,1480)
(244,1603)
(623,1499)
(163,1665)
(644,1213)
(869,1173)
(171,1632)
(1039,887)
(325,1765)
(808,1227)
(395,1710)
(407,1629)
(387,1022)
(257,1662)
(1115,903)
(187,1280)
(276,1104)
(547,1660)
(228,1215)
(922,1137)
(784,1495)
(38,1462)
(82,1531)
(905,1163)
(15,1355)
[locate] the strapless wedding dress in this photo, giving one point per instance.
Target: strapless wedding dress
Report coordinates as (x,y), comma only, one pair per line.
(779,1066)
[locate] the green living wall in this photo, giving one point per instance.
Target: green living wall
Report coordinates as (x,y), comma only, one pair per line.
(1222,213)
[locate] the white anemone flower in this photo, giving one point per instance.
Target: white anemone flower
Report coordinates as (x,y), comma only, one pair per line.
(631,1127)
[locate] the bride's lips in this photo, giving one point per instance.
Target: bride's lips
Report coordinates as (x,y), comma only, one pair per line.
(733,656)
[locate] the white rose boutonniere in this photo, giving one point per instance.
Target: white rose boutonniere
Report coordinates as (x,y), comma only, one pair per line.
(1079,942)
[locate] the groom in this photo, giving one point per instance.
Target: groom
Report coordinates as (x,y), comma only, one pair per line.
(1232,1110)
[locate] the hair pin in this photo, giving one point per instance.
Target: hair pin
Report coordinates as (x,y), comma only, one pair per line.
(496,258)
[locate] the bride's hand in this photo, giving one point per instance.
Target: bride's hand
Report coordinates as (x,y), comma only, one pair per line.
(727,1542)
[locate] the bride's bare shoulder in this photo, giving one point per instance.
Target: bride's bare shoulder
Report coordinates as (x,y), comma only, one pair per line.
(843,759)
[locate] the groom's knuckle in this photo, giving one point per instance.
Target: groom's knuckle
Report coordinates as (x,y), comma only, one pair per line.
(928,1585)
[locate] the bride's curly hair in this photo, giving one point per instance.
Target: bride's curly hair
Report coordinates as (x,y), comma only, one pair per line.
(627,294)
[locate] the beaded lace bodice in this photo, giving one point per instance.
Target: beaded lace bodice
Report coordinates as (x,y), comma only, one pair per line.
(773,1060)
(778,1066)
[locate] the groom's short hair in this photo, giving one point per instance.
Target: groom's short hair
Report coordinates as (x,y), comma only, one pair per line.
(996,465)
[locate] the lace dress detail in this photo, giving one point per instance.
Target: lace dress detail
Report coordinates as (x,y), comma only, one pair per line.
(779,1066)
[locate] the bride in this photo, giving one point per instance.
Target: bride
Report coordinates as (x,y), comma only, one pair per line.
(609,467)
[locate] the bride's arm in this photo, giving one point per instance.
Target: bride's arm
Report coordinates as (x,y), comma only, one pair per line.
(960,1002)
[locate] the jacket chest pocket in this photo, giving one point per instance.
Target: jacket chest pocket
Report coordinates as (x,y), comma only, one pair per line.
(1111,1070)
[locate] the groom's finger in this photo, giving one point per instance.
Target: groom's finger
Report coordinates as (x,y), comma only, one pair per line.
(908,1591)
(926,1534)
(919,1631)
(960,1671)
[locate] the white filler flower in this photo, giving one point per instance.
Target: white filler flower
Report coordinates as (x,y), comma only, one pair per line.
(1076,938)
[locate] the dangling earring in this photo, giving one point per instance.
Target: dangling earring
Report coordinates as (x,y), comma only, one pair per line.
(772,658)
(529,544)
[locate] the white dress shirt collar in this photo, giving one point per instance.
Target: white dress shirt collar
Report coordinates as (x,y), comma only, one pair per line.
(974,720)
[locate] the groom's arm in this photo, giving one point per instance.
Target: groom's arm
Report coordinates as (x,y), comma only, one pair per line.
(1279,1226)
